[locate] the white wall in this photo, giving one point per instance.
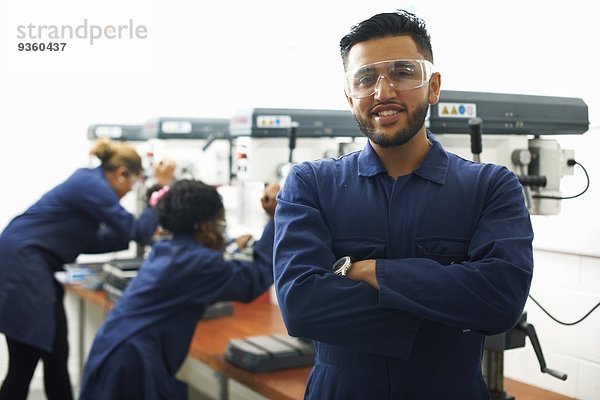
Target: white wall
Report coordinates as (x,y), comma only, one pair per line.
(568,286)
(208,59)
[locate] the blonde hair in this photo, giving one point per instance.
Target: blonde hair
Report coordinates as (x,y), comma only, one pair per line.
(116,154)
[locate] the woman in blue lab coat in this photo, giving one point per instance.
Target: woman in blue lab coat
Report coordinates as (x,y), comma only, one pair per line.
(145,338)
(81,215)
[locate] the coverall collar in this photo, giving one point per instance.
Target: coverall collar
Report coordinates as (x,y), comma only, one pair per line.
(433,168)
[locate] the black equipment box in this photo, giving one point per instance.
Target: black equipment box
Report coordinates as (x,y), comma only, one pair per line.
(277,122)
(269,353)
(216,310)
(513,114)
(118,274)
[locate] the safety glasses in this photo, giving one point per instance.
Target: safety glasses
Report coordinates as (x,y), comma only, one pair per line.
(401,74)
(221,225)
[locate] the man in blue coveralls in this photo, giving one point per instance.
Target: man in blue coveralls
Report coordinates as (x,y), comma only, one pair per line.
(433,251)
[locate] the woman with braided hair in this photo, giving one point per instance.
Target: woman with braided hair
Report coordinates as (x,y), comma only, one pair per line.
(145,338)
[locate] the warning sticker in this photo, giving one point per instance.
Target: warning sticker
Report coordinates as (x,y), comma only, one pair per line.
(273,121)
(457,110)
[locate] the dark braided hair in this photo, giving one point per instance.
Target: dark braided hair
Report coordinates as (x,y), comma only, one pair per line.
(187,204)
(388,24)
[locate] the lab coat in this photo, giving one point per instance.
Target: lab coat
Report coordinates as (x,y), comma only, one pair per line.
(453,249)
(145,338)
(81,215)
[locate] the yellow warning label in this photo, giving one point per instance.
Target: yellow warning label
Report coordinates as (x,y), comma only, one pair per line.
(457,110)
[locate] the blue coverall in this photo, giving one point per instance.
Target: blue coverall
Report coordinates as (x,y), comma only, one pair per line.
(453,249)
(145,338)
(80,215)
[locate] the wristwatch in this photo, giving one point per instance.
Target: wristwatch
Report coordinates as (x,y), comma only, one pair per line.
(342,266)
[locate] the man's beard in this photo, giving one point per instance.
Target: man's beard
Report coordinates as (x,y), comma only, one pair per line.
(401,136)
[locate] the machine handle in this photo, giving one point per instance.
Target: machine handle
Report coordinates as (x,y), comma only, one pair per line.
(292,142)
(475,131)
(533,180)
(209,140)
(557,374)
(212,137)
(530,331)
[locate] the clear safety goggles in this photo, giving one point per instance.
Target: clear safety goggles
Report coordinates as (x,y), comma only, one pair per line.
(221,226)
(401,74)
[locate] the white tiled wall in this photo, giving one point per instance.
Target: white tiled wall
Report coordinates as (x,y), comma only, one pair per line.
(588,382)
(567,286)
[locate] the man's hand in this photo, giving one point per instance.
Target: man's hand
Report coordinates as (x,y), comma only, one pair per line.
(164,172)
(364,270)
(242,241)
(269,198)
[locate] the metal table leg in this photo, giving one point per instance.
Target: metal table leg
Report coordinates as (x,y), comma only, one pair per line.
(223,386)
(81,343)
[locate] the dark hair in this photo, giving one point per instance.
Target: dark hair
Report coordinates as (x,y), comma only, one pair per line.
(388,24)
(187,204)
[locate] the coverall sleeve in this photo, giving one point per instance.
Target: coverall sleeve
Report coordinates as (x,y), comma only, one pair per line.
(314,302)
(118,226)
(488,291)
(108,239)
(246,280)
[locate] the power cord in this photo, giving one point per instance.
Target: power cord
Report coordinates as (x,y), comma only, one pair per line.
(570,163)
(561,322)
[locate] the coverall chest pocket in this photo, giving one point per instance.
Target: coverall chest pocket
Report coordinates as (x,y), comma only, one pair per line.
(360,248)
(444,249)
